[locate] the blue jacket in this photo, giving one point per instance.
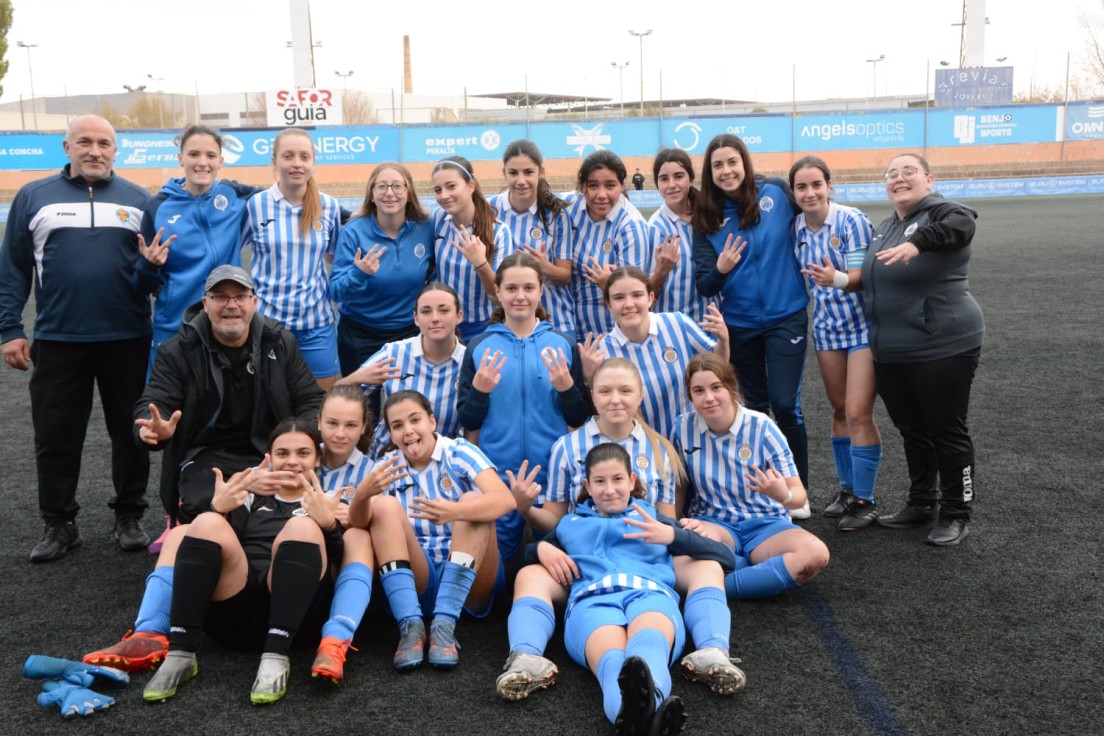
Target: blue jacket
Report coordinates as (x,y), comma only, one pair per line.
(209,232)
(766,286)
(524,415)
(598,546)
(386,300)
(79,243)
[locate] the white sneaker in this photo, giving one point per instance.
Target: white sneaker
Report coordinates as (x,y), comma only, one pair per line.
(715,669)
(523,674)
(802,513)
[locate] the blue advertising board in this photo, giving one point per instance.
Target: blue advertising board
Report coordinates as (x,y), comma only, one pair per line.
(1085,121)
(993,125)
(971,86)
(761,133)
(859,131)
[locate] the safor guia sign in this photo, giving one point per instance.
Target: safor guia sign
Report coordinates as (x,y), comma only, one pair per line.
(303,107)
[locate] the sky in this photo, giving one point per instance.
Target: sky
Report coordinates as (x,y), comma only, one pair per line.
(764,51)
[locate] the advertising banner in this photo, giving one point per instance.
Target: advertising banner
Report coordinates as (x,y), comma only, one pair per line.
(973,86)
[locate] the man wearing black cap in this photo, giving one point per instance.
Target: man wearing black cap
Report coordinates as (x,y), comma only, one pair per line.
(216,391)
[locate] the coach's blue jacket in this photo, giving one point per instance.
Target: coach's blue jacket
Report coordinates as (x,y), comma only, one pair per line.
(78,241)
(209,231)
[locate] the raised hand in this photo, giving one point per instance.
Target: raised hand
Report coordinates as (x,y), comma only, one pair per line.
(319,505)
(230,494)
(524,486)
(592,355)
(596,273)
(438,511)
(267,482)
(651,530)
(471,246)
(369,262)
(732,254)
(380,477)
(821,275)
(156,252)
(667,254)
(769,482)
(489,372)
(558,372)
(904,253)
(713,322)
(155,430)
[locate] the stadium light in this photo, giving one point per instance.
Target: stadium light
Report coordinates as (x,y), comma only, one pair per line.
(641,36)
(620,81)
(30,73)
(881,57)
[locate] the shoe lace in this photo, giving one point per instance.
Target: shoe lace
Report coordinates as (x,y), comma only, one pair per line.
(444,629)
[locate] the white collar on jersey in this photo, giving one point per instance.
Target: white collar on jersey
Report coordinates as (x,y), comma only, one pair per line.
(703,428)
(418,351)
(619,337)
(593,430)
(354,458)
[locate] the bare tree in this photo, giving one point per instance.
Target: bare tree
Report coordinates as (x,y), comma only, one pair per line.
(1093,25)
(357,109)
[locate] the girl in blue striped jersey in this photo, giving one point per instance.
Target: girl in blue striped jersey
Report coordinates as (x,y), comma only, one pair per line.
(539,226)
(743,250)
(832,239)
(622,620)
(521,384)
(294,229)
(433,531)
(384,255)
(608,232)
(428,363)
(343,422)
(469,242)
(661,345)
(617,391)
(743,482)
(673,237)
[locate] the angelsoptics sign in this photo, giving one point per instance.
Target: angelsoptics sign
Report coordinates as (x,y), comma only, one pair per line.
(303,107)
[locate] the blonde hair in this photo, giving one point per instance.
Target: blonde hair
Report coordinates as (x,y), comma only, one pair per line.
(311,216)
(661,446)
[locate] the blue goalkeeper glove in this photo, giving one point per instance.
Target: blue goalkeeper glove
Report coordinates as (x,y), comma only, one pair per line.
(39,667)
(71,699)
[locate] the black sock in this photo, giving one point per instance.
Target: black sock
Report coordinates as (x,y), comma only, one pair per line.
(195,575)
(296,570)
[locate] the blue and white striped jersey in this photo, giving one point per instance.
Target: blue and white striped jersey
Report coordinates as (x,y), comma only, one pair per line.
(623,239)
(527,228)
(457,272)
(680,293)
(838,319)
(347,475)
(449,475)
(436,381)
(566,469)
(717,465)
(673,339)
(289,270)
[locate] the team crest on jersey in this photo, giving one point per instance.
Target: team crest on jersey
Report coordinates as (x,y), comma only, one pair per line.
(446,483)
(300,512)
(834,241)
(122,215)
(744,453)
(536,233)
(221,202)
(419,250)
(607,246)
(642,462)
(670,355)
(766,204)
(911,229)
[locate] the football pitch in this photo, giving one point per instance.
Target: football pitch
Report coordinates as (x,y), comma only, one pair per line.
(1003,634)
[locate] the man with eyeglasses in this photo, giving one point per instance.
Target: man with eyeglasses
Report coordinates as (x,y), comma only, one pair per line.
(216,391)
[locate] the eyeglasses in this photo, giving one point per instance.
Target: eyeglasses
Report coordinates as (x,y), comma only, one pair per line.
(908,173)
(382,187)
(222,299)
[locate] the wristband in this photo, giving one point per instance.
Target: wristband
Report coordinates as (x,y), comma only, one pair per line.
(481,265)
(840,280)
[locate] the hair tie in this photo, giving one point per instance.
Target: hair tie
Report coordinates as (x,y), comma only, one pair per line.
(449,162)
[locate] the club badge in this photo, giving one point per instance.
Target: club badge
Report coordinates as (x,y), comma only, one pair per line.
(834,241)
(419,250)
(670,355)
(607,246)
(744,453)
(642,462)
(536,233)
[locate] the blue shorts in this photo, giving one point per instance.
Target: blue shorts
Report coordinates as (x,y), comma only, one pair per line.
(319,349)
(428,597)
(750,533)
(618,609)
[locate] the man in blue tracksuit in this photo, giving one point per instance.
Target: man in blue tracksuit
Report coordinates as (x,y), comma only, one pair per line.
(75,235)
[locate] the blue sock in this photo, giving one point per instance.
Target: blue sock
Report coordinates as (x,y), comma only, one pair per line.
(759,581)
(609,667)
(153,614)
(841,451)
(530,625)
(352,592)
(651,646)
(707,618)
(456,583)
(866,459)
(402,595)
